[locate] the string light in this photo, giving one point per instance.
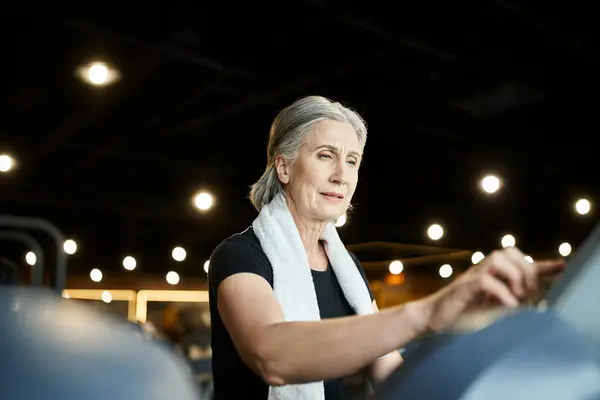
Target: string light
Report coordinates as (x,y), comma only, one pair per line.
(435,232)
(204,201)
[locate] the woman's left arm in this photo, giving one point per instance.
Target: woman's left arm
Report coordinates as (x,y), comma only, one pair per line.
(384,366)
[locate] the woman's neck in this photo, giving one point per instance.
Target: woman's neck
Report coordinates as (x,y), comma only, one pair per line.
(310,232)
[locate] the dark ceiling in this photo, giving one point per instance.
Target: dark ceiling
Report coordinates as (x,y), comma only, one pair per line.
(450,92)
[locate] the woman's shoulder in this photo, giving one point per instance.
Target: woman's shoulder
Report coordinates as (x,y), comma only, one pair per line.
(246,240)
(239,253)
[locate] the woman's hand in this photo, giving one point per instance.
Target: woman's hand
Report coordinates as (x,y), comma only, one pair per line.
(503,278)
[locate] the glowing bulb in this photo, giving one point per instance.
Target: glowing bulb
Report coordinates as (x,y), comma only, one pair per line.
(583,206)
(98,73)
(445,271)
(477,257)
(106,297)
(172,278)
(30,258)
(396,267)
(564,249)
(6,163)
(129,263)
(179,254)
(490,184)
(203,201)
(96,275)
(70,247)
(206,266)
(508,241)
(435,232)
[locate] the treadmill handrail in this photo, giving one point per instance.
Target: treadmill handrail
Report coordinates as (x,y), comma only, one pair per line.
(34,245)
(60,274)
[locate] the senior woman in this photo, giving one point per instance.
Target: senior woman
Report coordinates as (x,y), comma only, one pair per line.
(292,312)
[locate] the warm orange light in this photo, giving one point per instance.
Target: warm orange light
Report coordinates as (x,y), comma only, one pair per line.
(130,296)
(185,296)
(391,279)
(138,301)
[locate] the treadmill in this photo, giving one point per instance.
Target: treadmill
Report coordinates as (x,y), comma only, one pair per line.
(550,352)
(53,348)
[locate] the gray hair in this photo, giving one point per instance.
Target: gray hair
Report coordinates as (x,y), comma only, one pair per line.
(289,132)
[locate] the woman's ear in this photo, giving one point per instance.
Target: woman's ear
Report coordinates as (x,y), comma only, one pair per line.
(282,169)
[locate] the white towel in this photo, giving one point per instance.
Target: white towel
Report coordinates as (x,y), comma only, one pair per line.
(292,279)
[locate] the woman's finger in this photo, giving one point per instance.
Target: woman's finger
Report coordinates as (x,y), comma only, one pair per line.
(494,287)
(500,265)
(550,267)
(528,270)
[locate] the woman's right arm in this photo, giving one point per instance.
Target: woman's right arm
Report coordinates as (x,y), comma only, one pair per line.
(297,352)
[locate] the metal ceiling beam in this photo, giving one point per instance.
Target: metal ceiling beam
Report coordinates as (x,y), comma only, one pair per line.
(74,205)
(399,248)
(567,40)
(75,125)
(166,48)
(118,140)
(382,33)
(421,261)
(269,96)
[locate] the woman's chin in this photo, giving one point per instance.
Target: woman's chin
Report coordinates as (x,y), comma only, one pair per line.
(331,215)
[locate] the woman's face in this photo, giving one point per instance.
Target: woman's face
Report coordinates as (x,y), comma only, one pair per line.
(322,179)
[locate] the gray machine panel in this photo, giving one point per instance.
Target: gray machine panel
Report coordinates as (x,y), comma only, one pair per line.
(576,295)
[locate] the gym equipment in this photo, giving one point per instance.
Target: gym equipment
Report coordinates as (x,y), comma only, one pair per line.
(53,348)
(551,353)
(526,355)
(10,221)
(575,297)
(34,245)
(9,272)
